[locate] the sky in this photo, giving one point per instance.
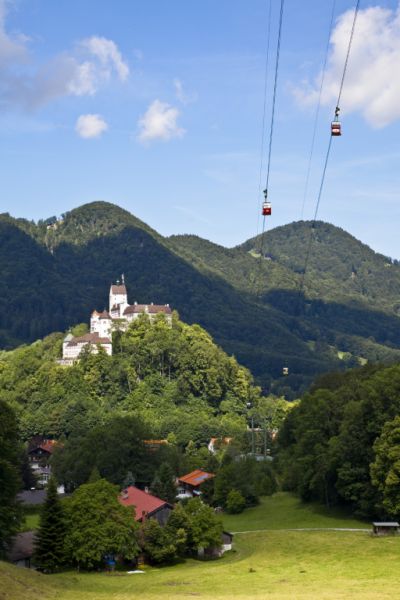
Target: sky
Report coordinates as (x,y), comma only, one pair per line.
(158,107)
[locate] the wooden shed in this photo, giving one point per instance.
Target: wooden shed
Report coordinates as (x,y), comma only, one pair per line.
(385,528)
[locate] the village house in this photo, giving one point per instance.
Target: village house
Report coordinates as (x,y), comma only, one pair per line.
(146,505)
(216,444)
(40,451)
(120,313)
(190,485)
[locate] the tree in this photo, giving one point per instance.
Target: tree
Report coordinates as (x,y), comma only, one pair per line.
(235,502)
(163,484)
(10,483)
(28,477)
(205,527)
(114,448)
(98,525)
(385,470)
(158,543)
(179,525)
(50,537)
(129,480)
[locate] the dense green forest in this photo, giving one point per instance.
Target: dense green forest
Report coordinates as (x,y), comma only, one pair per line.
(175,379)
(341,443)
(56,271)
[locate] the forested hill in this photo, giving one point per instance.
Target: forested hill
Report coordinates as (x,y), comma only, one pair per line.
(340,267)
(55,272)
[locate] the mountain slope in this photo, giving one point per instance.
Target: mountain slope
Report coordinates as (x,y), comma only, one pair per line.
(54,275)
(340,267)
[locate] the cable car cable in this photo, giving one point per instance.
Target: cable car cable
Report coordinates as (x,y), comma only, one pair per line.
(271,131)
(308,254)
(264,111)
(278,50)
(318,109)
(357,8)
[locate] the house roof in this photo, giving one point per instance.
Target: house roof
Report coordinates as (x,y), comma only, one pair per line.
(33,497)
(89,338)
(148,308)
(45,445)
(104,315)
(196,478)
(144,503)
(22,546)
(118,289)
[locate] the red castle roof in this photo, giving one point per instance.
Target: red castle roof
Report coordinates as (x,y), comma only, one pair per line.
(148,308)
(145,504)
(118,289)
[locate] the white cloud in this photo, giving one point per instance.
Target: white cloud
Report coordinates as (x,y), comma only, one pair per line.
(90,126)
(12,47)
(79,72)
(372,84)
(159,123)
(181,94)
(106,51)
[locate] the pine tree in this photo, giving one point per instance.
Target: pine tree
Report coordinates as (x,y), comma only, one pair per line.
(49,545)
(163,484)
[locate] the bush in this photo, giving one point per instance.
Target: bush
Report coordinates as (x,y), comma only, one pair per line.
(235,502)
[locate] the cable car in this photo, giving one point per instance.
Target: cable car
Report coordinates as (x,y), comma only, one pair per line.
(266,209)
(336,128)
(285,371)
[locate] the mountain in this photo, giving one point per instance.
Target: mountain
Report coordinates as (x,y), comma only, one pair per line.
(56,271)
(339,267)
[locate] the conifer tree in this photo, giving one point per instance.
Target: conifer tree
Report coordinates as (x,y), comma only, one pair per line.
(49,545)
(163,484)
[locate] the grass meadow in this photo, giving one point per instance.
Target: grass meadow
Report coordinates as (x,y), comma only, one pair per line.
(274,563)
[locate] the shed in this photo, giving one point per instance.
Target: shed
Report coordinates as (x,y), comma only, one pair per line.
(385,528)
(217,551)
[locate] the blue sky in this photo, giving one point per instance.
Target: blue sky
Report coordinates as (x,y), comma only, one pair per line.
(157,106)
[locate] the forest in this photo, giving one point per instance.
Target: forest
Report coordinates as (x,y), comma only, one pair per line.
(341,444)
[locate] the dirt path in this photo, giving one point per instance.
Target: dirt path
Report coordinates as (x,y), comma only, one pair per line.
(307,529)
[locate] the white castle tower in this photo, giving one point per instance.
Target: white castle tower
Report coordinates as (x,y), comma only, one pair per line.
(118,299)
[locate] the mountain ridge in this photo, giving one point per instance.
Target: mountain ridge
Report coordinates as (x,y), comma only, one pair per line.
(67,266)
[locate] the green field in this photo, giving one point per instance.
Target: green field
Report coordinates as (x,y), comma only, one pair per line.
(31,518)
(276,564)
(285,511)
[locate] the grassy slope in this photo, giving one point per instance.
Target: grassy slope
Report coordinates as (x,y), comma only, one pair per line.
(284,511)
(295,565)
(328,565)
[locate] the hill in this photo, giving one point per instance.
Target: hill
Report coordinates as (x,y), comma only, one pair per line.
(56,271)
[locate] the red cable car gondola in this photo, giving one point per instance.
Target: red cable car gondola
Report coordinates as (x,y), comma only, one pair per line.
(336,128)
(266,209)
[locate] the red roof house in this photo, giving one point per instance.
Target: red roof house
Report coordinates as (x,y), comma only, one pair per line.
(190,484)
(146,505)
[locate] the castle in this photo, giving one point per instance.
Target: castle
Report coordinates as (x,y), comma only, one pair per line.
(102,324)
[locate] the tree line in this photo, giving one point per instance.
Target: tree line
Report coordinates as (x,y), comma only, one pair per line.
(341,444)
